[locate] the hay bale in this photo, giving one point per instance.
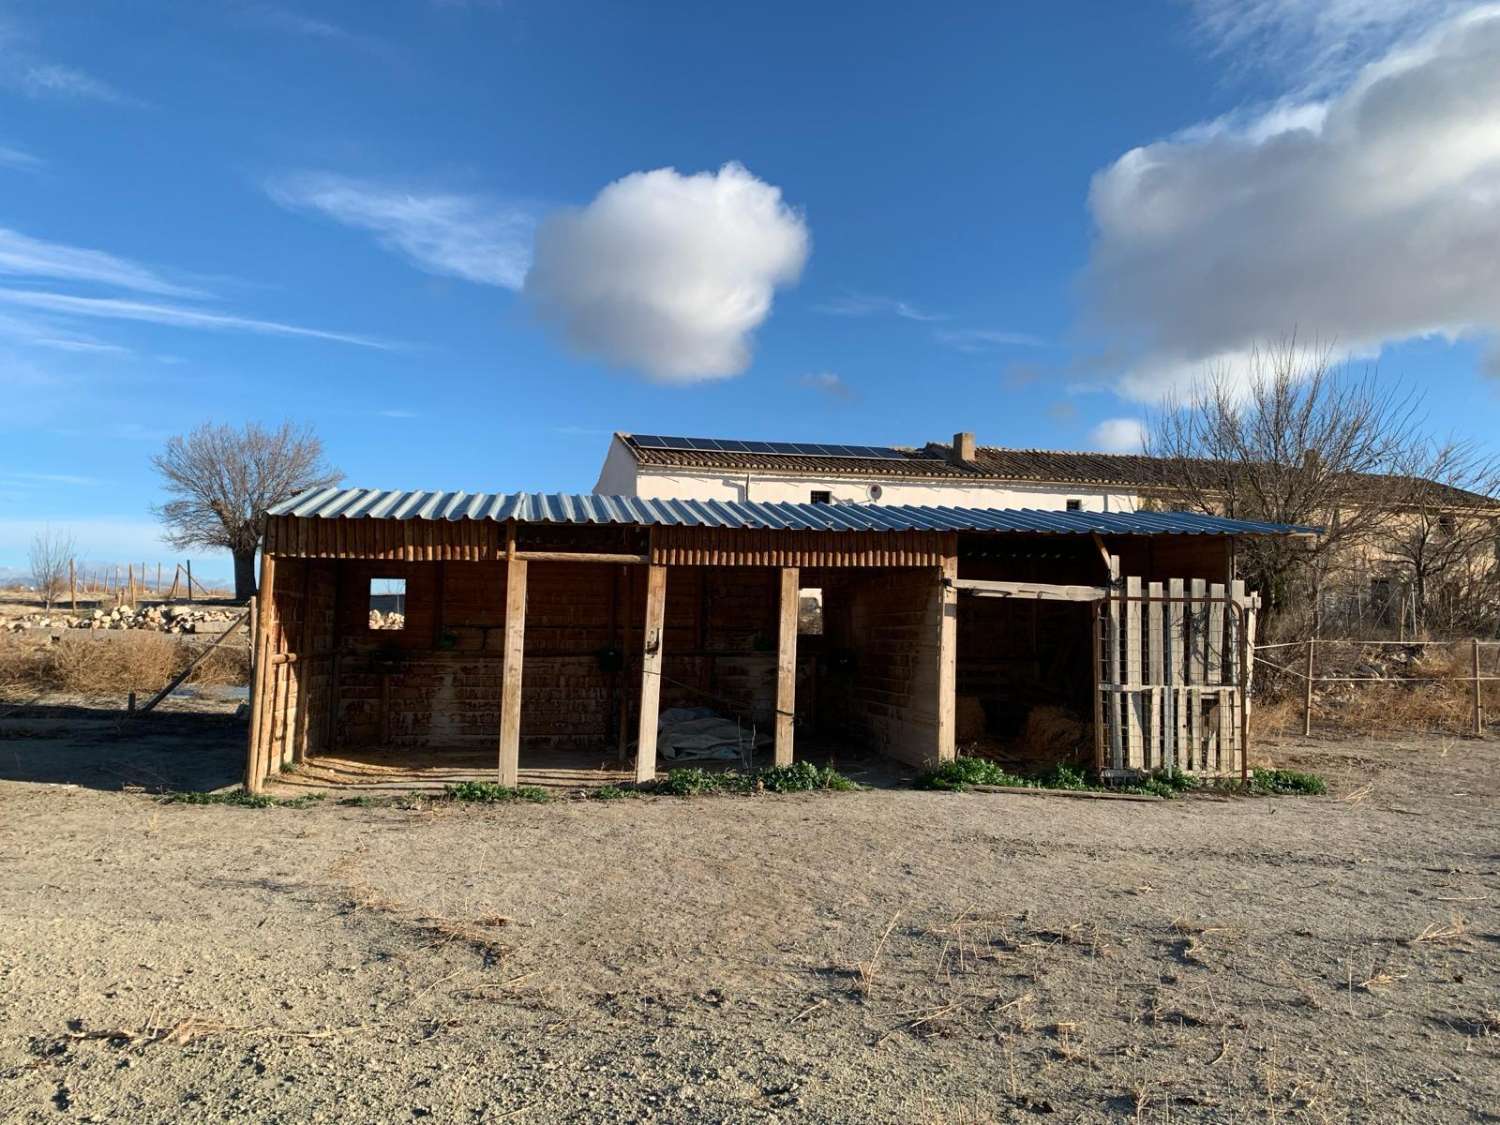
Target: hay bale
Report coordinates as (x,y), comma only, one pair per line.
(1052,734)
(968,718)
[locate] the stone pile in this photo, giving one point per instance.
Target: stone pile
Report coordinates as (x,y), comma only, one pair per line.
(156,619)
(392,620)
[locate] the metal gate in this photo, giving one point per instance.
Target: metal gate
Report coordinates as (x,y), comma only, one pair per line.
(1172,667)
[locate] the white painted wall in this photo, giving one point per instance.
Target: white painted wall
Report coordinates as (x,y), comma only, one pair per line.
(622,476)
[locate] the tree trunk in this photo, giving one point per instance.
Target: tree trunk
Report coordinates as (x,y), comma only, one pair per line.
(244,575)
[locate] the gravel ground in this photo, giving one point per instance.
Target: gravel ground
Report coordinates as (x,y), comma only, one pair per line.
(881,956)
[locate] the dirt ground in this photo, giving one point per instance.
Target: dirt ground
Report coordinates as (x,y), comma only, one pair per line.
(891,955)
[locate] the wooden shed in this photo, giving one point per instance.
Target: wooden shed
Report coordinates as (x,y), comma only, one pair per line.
(532,637)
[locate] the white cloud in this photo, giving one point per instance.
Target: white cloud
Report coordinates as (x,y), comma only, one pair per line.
(985,339)
(180,316)
(19,160)
(1317,42)
(463,236)
(1119,435)
(1372,220)
(829,383)
(24,70)
(858,304)
(24,256)
(668,274)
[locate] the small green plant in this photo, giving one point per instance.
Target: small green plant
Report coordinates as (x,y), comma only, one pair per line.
(961,773)
(608,793)
(489,792)
(1283,782)
(1162,783)
(800,777)
(957,775)
(242,799)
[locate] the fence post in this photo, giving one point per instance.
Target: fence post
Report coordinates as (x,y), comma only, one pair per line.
(1478,700)
(190,579)
(72,586)
(1307,694)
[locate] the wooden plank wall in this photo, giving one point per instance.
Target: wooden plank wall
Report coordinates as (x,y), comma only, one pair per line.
(1173,690)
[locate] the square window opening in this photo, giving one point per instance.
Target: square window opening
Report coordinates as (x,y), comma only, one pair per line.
(810,611)
(1075,505)
(821,497)
(387,603)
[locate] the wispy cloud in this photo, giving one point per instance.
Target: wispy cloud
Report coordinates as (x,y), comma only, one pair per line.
(985,339)
(863,304)
(24,70)
(45,332)
(24,256)
(180,316)
(829,384)
(398,414)
(70,479)
(292,22)
(466,236)
(19,160)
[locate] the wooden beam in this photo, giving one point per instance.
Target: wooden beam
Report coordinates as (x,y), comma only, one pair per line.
(510,683)
(583,556)
(255,758)
(188,671)
(1109,562)
(1040,591)
(786,665)
(947,738)
(651,654)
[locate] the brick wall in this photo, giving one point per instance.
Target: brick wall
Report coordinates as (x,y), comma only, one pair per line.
(890,625)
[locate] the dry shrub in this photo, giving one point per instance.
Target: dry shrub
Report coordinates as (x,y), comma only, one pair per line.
(113,665)
(1053,734)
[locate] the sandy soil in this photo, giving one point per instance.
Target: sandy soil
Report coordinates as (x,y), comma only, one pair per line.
(883,956)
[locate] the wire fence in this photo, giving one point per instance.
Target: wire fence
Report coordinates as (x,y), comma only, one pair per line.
(1299,662)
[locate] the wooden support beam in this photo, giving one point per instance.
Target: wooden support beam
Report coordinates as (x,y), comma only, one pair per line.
(651,655)
(1111,565)
(257,756)
(583,556)
(786,665)
(1040,591)
(510,684)
(947,679)
(172,684)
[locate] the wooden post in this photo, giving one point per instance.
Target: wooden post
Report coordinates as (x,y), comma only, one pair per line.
(190,579)
(651,654)
(72,586)
(627,580)
(1307,690)
(1478,698)
(1135,756)
(947,700)
(786,666)
(158,580)
(511,669)
(256,757)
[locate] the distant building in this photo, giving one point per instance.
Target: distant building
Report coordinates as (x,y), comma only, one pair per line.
(960,474)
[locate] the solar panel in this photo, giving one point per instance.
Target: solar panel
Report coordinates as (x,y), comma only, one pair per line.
(767,448)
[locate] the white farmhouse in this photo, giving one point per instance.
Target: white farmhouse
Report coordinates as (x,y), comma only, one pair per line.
(960,474)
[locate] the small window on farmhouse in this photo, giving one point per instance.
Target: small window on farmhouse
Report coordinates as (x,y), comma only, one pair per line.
(1447,525)
(819,497)
(810,612)
(387,603)
(1075,505)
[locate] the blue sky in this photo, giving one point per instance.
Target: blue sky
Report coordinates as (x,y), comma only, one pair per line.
(468,240)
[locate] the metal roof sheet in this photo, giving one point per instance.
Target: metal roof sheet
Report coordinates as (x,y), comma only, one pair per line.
(558,507)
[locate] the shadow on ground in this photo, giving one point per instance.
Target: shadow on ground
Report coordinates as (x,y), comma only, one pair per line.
(99,748)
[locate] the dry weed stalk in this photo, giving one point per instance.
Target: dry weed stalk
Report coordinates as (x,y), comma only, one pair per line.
(866,970)
(1437,933)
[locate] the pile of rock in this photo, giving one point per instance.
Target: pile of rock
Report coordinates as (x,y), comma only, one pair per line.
(157,619)
(392,620)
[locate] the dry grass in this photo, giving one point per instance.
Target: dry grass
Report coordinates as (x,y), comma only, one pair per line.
(89,665)
(1441,933)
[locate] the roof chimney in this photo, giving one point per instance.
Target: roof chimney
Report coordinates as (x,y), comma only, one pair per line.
(963,448)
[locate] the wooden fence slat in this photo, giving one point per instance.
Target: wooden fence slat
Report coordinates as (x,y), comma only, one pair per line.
(1156,646)
(1112,658)
(1196,669)
(1215,672)
(1176,656)
(1135,750)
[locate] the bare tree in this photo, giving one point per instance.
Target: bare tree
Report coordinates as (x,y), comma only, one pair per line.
(223,479)
(49,556)
(1295,439)
(1443,540)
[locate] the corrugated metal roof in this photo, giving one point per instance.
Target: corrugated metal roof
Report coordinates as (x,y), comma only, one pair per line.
(556,507)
